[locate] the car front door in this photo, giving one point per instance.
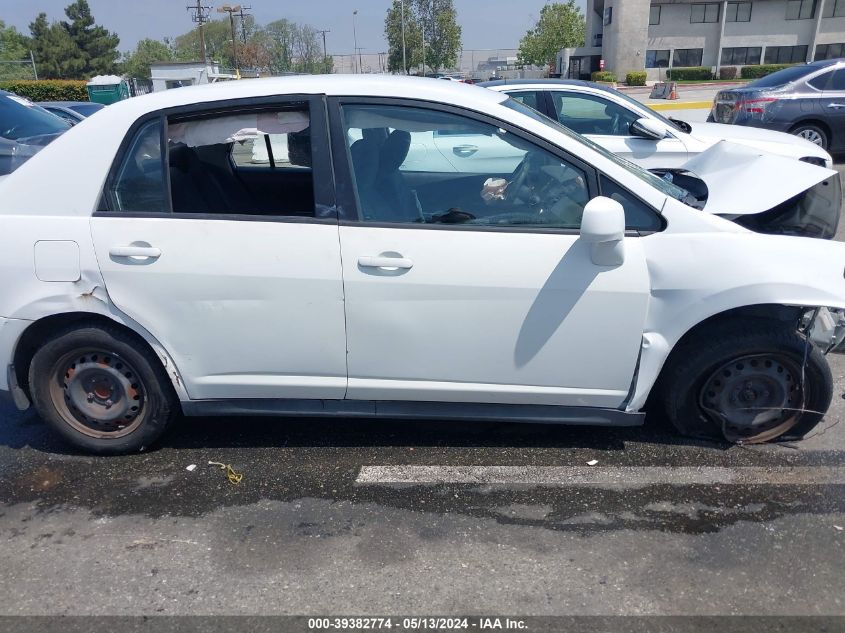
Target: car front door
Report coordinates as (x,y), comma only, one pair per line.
(477,288)
(608,123)
(230,261)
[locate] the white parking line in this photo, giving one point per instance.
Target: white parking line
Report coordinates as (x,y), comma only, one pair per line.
(601,476)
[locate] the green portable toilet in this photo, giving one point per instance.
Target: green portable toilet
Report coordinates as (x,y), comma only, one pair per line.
(107,89)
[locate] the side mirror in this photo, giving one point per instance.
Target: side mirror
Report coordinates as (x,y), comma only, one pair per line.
(649,128)
(603,227)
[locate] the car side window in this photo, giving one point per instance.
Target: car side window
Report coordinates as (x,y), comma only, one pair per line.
(499,179)
(588,114)
(139,184)
(837,82)
(531,98)
(249,162)
(638,215)
(820,82)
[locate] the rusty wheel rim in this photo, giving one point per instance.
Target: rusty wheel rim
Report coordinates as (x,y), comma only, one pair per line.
(98,393)
(755,398)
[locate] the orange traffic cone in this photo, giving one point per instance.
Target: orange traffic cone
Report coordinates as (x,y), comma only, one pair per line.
(673,94)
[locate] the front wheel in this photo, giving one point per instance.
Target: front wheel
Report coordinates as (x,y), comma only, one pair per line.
(747,382)
(102,390)
(812,133)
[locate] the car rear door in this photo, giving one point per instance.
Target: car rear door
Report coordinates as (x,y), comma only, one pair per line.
(232,265)
(833,107)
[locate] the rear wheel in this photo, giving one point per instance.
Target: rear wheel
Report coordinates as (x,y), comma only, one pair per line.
(748,382)
(102,390)
(812,133)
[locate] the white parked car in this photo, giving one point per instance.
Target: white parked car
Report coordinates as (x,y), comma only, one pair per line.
(157,274)
(628,128)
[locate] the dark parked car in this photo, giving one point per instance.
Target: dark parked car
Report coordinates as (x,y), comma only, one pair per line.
(806,100)
(71,111)
(25,129)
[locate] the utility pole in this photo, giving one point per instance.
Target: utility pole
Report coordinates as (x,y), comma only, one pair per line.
(404,59)
(226,8)
(243,24)
(200,16)
(355,39)
(325,51)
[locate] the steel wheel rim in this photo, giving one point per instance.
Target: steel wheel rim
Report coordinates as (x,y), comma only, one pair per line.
(755,398)
(98,393)
(812,135)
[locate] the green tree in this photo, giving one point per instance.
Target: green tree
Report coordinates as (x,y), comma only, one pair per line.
(277,38)
(56,54)
(439,22)
(97,44)
(218,44)
(147,52)
(561,25)
(13,47)
(393,34)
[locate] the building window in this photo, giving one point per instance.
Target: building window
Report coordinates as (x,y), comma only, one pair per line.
(654,14)
(785,54)
(608,16)
(657,59)
(829,51)
(800,9)
(834,9)
(739,12)
(741,56)
(687,57)
(704,12)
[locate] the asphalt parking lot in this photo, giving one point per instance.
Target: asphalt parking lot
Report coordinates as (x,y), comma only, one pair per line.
(351,517)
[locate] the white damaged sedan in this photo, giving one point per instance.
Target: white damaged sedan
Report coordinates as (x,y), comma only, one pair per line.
(165,269)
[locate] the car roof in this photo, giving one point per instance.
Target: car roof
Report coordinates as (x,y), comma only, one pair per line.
(422,88)
(577,83)
(68,104)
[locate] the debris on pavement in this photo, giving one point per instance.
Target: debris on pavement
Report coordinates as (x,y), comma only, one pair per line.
(592,462)
(234,477)
(191,468)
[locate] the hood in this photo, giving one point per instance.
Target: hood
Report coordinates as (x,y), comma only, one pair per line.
(742,180)
(769,140)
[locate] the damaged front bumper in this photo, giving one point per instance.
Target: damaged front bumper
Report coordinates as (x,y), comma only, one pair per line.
(826,328)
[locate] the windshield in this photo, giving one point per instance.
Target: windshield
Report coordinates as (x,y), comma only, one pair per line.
(782,77)
(20,118)
(658,183)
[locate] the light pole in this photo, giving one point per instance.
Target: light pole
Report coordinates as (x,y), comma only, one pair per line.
(226,8)
(355,38)
(404,60)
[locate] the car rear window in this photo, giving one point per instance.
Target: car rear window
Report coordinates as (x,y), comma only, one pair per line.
(20,118)
(783,77)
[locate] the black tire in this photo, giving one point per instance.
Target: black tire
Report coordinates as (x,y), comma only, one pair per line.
(812,133)
(102,389)
(719,359)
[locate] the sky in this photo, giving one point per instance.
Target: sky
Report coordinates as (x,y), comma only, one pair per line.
(487,24)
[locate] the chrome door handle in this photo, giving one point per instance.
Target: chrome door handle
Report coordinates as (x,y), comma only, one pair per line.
(385,262)
(836,106)
(135,251)
(464,151)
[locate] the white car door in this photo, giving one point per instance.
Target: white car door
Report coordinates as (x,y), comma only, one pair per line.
(473,300)
(235,273)
(608,123)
